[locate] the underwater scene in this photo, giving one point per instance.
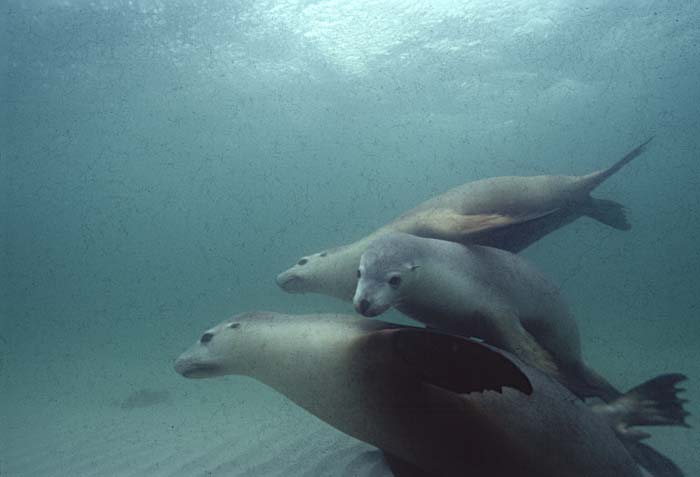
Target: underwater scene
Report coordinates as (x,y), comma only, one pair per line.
(349,238)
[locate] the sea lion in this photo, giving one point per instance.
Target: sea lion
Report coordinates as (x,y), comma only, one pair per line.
(445,405)
(509,213)
(478,291)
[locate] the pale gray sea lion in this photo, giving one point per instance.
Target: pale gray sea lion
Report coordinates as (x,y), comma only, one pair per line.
(509,213)
(440,404)
(481,292)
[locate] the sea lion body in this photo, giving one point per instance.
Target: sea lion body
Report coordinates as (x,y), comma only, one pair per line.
(537,205)
(510,213)
(444,404)
(477,291)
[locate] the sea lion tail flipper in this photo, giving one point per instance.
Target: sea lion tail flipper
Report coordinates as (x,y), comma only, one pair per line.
(608,212)
(595,179)
(657,464)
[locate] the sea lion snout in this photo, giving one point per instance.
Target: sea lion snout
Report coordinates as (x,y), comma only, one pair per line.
(371,298)
(190,368)
(289,282)
(183,366)
(369,308)
(362,306)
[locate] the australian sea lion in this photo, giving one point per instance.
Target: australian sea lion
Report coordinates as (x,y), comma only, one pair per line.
(478,291)
(444,404)
(504,212)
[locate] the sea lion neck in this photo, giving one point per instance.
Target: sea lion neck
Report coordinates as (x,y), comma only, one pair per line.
(287,351)
(338,276)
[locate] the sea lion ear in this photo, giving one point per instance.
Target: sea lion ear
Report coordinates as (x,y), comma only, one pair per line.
(413,266)
(458,364)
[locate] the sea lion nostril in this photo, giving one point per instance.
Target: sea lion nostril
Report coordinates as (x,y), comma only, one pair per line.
(206,338)
(364,306)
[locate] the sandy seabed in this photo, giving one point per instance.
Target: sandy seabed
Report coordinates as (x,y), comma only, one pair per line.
(180,433)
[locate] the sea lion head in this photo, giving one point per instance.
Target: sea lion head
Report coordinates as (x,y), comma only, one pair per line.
(300,278)
(323,272)
(297,278)
(386,270)
(226,348)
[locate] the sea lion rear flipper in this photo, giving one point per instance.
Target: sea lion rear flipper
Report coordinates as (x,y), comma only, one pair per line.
(653,403)
(653,461)
(608,212)
(446,224)
(591,181)
(457,364)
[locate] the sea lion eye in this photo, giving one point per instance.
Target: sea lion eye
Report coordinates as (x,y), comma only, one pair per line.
(303,261)
(206,338)
(233,326)
(395,281)
(322,254)
(359,274)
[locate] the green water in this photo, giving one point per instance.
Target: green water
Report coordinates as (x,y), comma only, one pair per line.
(163,161)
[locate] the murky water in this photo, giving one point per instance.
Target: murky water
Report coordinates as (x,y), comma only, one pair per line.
(163,161)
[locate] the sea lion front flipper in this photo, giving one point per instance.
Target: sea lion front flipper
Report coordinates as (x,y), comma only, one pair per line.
(508,333)
(455,363)
(446,224)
